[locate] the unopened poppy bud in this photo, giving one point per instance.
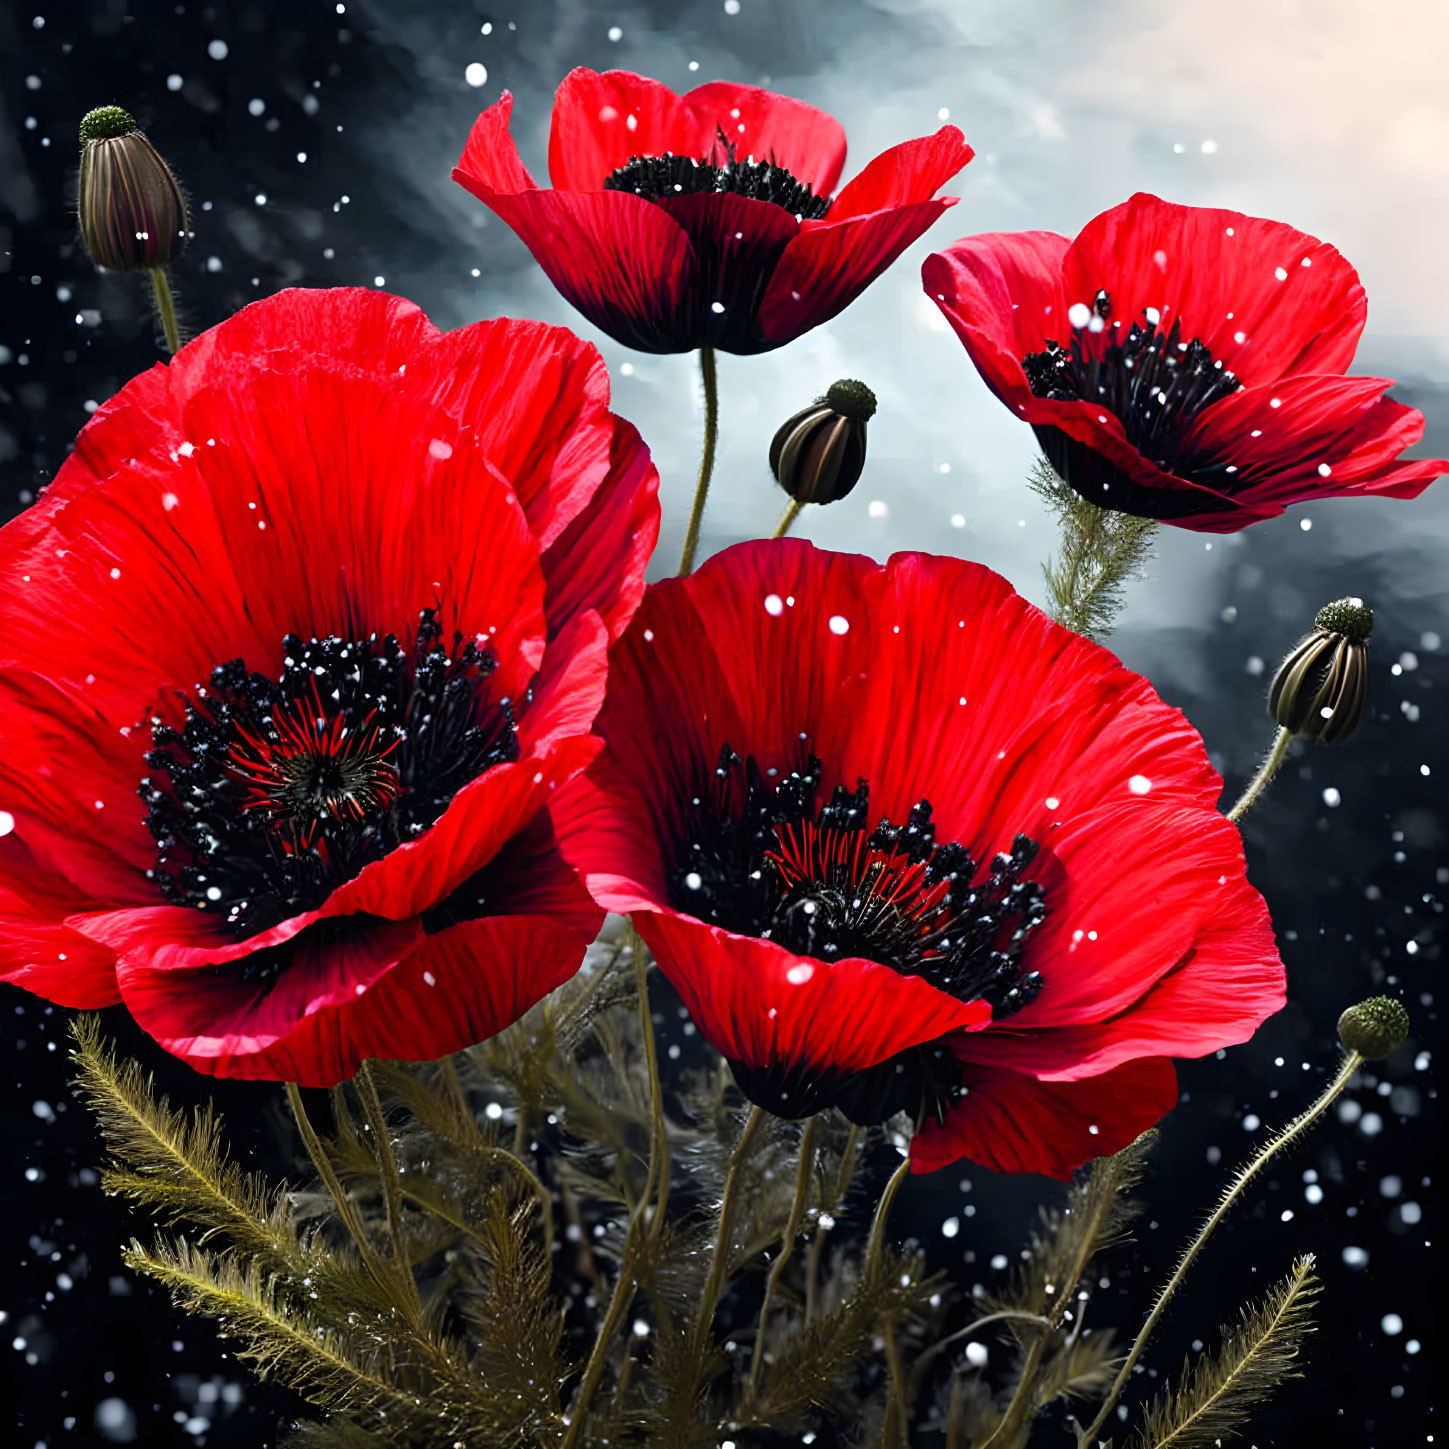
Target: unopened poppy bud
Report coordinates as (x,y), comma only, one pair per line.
(1374,1028)
(818,455)
(132,212)
(1320,688)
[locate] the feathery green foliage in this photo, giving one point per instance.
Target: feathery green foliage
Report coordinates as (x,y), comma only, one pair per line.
(1101,552)
(1214,1396)
(176,1168)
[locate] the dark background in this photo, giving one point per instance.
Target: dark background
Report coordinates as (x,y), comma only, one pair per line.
(374,96)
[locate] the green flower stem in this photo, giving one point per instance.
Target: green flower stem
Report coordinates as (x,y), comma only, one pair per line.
(787,518)
(1264,777)
(719,1262)
(787,1246)
(1352,1061)
(391,1186)
(817,1243)
(882,1212)
(166,307)
(659,1167)
(328,1174)
(706,461)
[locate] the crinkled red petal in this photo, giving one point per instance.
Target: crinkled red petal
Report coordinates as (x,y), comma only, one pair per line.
(1215,995)
(1314,437)
(37,950)
(396,993)
(762,1005)
(1268,300)
(1002,294)
(1014,1123)
(603,120)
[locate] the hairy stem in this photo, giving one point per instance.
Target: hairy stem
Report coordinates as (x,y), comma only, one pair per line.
(719,1262)
(345,1209)
(659,1166)
(1264,777)
(391,1186)
(706,459)
(1270,1149)
(787,1246)
(787,518)
(166,309)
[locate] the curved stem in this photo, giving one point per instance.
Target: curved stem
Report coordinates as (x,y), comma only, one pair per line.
(719,1262)
(787,1246)
(1023,1400)
(1296,1128)
(882,1212)
(1265,774)
(345,1209)
(787,518)
(659,1168)
(166,307)
(706,459)
(391,1185)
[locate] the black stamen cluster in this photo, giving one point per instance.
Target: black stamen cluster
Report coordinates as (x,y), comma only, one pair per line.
(657,178)
(217,852)
(1152,380)
(966,941)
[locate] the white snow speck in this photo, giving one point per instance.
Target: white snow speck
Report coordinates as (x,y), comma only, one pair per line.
(7,822)
(800,974)
(439,449)
(1139,784)
(1079,314)
(217,50)
(476,73)
(774,605)
(839,624)
(1332,798)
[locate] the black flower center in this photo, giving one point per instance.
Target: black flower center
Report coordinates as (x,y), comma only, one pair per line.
(273,793)
(1153,381)
(661,178)
(760,857)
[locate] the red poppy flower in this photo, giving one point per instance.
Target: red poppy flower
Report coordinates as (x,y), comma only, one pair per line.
(1183,363)
(903,843)
(705,220)
(307,630)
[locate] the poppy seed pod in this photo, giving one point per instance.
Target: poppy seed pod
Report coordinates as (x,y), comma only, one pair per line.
(818,455)
(1374,1028)
(1320,688)
(132,212)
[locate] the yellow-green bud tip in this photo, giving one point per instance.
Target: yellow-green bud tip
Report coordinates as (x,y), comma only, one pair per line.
(1350,617)
(1374,1028)
(105,123)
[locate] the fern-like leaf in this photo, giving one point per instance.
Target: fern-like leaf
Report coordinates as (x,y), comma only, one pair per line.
(1216,1395)
(1101,552)
(178,1169)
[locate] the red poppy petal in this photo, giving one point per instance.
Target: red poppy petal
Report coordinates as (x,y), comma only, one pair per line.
(530,877)
(1139,886)
(806,142)
(607,834)
(598,561)
(246,534)
(39,952)
(1226,985)
(490,158)
(603,119)
(225,1025)
(827,267)
(398,994)
(904,175)
(537,400)
(1267,299)
(1002,293)
(459,987)
(761,1005)
(570,688)
(1314,437)
(1005,721)
(1013,1123)
(625,263)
